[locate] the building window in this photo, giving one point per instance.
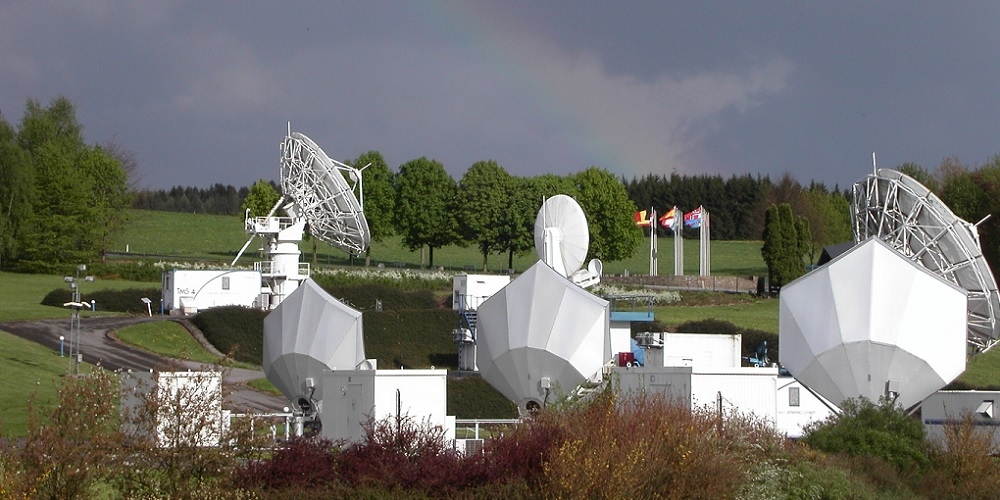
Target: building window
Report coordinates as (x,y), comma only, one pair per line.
(793,396)
(225,282)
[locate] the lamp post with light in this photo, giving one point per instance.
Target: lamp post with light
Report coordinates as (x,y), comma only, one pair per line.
(74,325)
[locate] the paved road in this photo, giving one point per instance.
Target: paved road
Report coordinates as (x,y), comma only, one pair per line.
(98,347)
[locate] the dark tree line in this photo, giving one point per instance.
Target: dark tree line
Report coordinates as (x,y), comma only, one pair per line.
(737,205)
(216,200)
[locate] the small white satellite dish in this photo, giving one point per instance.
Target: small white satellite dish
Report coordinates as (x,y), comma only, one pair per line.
(322,196)
(562,239)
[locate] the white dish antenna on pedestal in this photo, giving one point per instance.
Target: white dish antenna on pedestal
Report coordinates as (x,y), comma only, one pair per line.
(320,192)
(562,239)
(322,196)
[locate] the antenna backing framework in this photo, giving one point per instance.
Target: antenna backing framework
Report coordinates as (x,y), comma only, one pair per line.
(902,212)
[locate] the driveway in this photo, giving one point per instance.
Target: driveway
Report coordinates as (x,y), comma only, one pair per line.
(99,348)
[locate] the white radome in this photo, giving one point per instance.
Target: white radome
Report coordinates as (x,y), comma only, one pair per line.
(541,329)
(870,323)
(310,332)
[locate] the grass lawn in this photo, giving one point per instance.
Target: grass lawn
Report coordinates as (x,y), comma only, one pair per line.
(983,370)
(219,238)
(166,338)
(28,371)
(754,313)
(21,295)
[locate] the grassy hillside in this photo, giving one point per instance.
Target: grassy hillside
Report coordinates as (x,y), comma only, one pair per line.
(219,238)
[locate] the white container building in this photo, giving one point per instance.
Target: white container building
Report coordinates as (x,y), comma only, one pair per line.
(351,397)
(188,291)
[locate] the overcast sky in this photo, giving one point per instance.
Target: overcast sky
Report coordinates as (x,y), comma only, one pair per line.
(202,91)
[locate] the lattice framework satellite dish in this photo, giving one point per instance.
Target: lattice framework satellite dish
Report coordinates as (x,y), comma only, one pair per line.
(322,196)
(896,208)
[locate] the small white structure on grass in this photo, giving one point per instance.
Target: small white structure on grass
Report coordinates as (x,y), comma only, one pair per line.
(468,292)
(699,350)
(187,291)
(185,407)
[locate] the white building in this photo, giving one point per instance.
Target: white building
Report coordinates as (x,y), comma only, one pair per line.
(185,407)
(190,291)
(351,397)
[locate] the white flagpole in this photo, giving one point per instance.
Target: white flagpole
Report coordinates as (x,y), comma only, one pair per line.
(678,242)
(652,242)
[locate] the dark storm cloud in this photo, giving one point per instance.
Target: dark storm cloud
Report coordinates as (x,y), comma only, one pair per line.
(202,91)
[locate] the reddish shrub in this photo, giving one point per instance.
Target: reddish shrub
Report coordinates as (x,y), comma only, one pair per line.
(301,463)
(400,453)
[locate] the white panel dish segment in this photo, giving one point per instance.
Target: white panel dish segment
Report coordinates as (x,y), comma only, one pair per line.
(542,325)
(308,333)
(886,321)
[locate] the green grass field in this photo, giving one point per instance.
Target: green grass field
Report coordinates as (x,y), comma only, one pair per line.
(30,372)
(219,238)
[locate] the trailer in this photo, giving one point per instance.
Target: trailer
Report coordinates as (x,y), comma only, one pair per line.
(188,291)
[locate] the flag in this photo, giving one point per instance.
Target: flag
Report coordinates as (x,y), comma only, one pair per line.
(692,219)
(641,219)
(669,218)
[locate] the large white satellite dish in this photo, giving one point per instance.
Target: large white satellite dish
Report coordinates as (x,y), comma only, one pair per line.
(541,336)
(873,323)
(320,192)
(897,209)
(562,239)
(322,196)
(308,334)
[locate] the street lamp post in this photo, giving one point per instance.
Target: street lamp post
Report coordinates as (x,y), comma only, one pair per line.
(74,324)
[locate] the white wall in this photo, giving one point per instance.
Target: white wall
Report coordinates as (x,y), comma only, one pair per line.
(187,405)
(792,418)
(945,408)
(351,396)
(475,289)
(621,337)
(746,390)
(702,350)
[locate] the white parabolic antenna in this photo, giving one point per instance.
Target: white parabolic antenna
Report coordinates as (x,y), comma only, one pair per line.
(872,323)
(541,336)
(897,209)
(309,333)
(322,196)
(562,239)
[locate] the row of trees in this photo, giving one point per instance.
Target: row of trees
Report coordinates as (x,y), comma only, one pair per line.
(216,200)
(487,207)
(62,200)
